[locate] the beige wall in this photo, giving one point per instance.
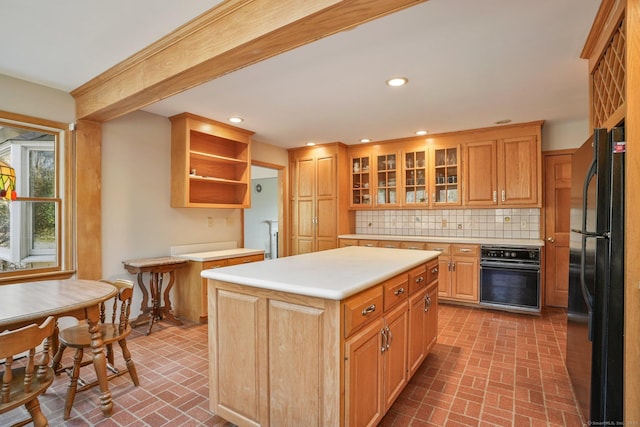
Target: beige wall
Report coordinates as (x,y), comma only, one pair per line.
(21,97)
(561,136)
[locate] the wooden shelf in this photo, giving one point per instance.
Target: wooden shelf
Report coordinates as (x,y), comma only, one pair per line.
(210,163)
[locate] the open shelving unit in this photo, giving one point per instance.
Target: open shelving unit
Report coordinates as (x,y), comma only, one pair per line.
(210,163)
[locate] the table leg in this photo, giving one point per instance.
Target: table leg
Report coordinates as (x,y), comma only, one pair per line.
(144,306)
(155,285)
(167,311)
(99,361)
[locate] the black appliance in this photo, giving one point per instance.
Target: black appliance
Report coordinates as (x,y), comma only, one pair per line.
(595,314)
(510,278)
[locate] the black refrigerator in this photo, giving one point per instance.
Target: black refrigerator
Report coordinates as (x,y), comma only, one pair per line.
(595,314)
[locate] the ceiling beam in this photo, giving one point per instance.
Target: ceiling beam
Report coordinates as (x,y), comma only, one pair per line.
(230,36)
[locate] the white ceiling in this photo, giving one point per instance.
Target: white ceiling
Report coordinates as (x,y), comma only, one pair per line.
(470,63)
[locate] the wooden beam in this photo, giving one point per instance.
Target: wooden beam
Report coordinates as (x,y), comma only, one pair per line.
(232,35)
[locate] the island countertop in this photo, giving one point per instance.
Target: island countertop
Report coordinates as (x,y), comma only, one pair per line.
(333,274)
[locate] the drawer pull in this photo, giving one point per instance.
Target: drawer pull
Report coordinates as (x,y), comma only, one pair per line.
(389,246)
(420,279)
(413,247)
(369,309)
(399,292)
(438,249)
(434,270)
(465,250)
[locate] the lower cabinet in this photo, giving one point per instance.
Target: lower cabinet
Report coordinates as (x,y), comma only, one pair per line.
(280,359)
(459,273)
(191,288)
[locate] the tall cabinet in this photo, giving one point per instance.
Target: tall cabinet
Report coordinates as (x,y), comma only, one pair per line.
(319,191)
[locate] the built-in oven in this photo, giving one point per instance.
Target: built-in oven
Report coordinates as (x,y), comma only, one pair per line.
(510,278)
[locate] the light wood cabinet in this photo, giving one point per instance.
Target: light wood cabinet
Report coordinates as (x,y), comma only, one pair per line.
(423,313)
(415,178)
(387,180)
(361,182)
(351,376)
(446,170)
(459,274)
(318,191)
(191,288)
(503,172)
(210,163)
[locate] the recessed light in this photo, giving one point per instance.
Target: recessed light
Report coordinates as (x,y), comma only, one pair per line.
(397,81)
(236,119)
(365,140)
(421,132)
(310,144)
(503,121)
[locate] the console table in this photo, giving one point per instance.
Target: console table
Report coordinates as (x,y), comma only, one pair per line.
(156,267)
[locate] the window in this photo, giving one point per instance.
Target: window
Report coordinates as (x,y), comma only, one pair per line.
(30,226)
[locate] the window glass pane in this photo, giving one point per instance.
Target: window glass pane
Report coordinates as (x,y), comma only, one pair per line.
(41,173)
(5,227)
(43,218)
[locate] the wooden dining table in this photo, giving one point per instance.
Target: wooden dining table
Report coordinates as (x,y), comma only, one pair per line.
(32,302)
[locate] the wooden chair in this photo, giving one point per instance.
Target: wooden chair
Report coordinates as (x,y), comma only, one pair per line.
(22,385)
(78,337)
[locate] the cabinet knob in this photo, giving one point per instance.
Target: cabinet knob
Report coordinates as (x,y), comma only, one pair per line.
(551,240)
(434,270)
(399,292)
(420,279)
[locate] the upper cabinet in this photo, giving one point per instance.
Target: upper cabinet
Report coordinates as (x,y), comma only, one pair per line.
(489,167)
(415,178)
(446,168)
(210,163)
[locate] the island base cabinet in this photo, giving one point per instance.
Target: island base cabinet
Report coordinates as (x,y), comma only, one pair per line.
(274,357)
(376,368)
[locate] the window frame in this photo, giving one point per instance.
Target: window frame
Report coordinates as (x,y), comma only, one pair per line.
(61,197)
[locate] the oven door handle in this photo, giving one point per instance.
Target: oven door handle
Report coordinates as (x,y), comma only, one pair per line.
(509,266)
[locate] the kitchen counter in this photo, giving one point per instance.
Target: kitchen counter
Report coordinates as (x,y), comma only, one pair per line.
(466,240)
(333,274)
(220,254)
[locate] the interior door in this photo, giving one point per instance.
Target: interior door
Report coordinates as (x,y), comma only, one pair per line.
(557,182)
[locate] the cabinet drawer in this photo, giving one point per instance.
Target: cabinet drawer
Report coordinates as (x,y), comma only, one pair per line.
(246,259)
(361,308)
(369,243)
(396,290)
(467,250)
(413,245)
(445,248)
(389,244)
(348,242)
(207,265)
(417,279)
(432,270)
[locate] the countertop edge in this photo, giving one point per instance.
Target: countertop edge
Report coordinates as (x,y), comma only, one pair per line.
(220,254)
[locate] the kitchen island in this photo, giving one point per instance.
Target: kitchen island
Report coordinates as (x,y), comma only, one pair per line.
(327,339)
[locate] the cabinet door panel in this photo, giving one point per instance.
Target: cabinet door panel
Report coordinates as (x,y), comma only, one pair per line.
(239,381)
(417,330)
(326,177)
(326,223)
(465,282)
(295,353)
(444,276)
(305,178)
(395,356)
(431,334)
(519,184)
(363,377)
(480,175)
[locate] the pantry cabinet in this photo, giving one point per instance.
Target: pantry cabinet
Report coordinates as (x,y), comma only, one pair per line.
(210,163)
(318,195)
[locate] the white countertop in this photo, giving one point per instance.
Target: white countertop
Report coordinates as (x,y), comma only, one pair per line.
(220,254)
(333,274)
(469,240)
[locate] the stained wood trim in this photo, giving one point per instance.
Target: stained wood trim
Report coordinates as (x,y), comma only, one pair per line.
(605,24)
(632,249)
(230,36)
(558,152)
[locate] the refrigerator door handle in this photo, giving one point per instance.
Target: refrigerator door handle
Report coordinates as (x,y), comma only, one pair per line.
(588,297)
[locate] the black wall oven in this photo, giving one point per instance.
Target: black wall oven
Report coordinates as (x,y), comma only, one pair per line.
(510,278)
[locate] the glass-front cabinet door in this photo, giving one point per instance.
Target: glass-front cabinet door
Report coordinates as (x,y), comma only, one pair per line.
(387,176)
(445,175)
(415,178)
(360,182)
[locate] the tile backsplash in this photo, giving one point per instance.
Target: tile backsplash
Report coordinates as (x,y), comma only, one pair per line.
(492,223)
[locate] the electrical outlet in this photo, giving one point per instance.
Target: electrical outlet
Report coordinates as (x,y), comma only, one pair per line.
(459,226)
(444,223)
(523,224)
